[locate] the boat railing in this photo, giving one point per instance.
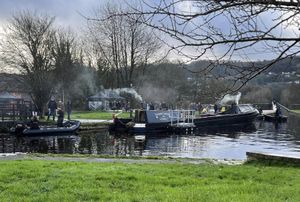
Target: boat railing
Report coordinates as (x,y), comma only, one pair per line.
(182,116)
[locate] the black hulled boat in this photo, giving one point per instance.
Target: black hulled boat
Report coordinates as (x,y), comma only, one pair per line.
(243,114)
(149,121)
(144,121)
(274,118)
(68,127)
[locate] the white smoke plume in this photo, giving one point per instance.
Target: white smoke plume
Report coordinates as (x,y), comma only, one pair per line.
(129,91)
(228,98)
(152,93)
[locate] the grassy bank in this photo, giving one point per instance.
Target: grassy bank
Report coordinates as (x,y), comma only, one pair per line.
(32,180)
(96,115)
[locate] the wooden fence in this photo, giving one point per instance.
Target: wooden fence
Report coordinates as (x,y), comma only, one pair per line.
(15,111)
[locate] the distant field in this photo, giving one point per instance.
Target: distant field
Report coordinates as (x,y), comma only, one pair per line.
(96,115)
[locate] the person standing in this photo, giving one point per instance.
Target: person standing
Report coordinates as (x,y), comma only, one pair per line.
(216,108)
(278,112)
(234,108)
(69,109)
(34,110)
(60,117)
(52,106)
(61,105)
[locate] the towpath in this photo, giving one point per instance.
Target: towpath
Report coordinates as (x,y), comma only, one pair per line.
(93,120)
(24,156)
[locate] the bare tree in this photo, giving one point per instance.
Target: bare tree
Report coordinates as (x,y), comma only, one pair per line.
(65,59)
(27,49)
(226,30)
(290,95)
(121,45)
(257,94)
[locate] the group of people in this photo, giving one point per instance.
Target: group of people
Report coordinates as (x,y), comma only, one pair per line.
(58,109)
(54,110)
(118,105)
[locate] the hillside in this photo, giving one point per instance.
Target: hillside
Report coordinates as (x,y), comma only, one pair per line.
(287,70)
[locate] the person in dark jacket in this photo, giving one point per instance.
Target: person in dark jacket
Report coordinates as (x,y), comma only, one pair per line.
(216,108)
(69,109)
(52,106)
(234,108)
(278,112)
(34,123)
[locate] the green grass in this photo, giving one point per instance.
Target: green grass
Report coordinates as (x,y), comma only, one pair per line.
(96,115)
(32,180)
(297,111)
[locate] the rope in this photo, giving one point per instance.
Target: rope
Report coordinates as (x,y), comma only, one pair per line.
(284,107)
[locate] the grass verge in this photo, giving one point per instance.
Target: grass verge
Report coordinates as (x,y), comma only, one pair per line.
(92,156)
(96,115)
(34,180)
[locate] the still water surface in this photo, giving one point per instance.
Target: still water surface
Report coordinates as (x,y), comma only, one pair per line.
(222,144)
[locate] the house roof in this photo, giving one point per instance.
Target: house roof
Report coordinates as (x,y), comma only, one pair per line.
(11,83)
(7,96)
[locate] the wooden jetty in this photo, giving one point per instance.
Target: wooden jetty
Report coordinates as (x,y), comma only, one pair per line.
(276,158)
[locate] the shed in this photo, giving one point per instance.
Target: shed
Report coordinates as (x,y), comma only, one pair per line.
(6,98)
(106,99)
(10,105)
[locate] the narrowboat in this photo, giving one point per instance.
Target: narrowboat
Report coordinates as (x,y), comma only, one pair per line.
(149,121)
(243,114)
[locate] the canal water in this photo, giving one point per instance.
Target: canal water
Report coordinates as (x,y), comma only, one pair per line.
(218,144)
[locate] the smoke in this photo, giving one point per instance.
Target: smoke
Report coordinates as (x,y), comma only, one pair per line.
(84,84)
(153,93)
(129,91)
(227,99)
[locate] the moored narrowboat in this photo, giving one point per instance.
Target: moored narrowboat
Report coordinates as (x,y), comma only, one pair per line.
(149,121)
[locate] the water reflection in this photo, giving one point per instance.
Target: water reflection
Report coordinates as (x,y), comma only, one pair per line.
(294,124)
(49,144)
(204,143)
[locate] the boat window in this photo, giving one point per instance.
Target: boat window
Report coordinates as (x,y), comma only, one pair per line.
(246,108)
(139,116)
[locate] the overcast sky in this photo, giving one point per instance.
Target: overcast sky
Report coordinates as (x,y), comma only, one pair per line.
(66,11)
